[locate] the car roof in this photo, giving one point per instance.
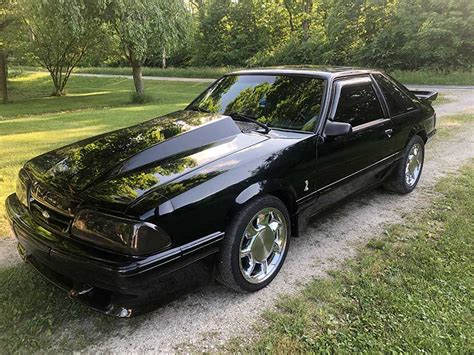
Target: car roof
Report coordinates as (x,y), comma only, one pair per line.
(326,72)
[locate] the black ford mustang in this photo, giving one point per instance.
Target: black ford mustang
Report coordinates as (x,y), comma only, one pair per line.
(230,178)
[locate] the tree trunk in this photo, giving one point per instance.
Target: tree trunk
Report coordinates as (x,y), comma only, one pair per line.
(58,87)
(3,75)
(138,80)
(290,15)
(308,6)
(163,59)
(199,5)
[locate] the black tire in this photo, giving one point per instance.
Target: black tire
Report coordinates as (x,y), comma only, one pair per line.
(397,181)
(229,272)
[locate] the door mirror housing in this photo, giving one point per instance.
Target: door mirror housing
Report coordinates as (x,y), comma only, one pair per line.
(337,129)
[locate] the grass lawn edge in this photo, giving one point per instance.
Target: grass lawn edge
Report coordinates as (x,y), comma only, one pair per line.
(407,290)
(408,77)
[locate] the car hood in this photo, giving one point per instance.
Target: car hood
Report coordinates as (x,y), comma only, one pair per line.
(120,166)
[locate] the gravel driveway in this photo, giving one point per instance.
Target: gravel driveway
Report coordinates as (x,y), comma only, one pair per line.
(210,316)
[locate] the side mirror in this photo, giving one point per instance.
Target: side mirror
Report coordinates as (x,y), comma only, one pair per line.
(336,129)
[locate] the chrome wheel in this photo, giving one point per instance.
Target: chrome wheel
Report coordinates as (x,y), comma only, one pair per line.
(263,245)
(413,164)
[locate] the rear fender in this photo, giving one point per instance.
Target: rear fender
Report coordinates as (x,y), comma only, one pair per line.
(424,128)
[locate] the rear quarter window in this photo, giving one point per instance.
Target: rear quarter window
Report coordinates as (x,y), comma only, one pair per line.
(397,101)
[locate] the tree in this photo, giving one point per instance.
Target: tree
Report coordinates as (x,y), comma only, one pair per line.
(416,34)
(144,26)
(308,7)
(8,28)
(3,76)
(239,32)
(61,32)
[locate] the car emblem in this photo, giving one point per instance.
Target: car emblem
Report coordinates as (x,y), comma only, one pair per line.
(45,214)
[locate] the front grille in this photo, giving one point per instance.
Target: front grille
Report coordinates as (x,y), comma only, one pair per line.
(48,217)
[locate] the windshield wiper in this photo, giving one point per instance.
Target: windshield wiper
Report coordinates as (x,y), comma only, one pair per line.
(199,109)
(241,116)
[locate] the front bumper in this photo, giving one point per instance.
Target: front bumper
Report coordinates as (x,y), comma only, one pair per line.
(114,284)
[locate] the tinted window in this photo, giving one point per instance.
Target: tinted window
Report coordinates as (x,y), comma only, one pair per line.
(279,101)
(358,104)
(398,102)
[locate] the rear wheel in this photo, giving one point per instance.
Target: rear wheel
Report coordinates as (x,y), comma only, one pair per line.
(255,245)
(408,172)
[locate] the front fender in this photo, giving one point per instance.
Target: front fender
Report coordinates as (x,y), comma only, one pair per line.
(277,188)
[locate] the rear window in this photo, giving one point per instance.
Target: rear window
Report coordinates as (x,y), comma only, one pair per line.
(398,102)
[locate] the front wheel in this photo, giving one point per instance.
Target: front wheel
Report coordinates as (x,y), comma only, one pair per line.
(408,171)
(255,245)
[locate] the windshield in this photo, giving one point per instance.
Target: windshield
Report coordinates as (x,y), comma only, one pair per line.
(279,101)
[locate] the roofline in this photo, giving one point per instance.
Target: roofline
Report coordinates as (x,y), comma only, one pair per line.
(326,74)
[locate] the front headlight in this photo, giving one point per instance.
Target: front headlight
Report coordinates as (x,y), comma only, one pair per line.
(21,189)
(119,234)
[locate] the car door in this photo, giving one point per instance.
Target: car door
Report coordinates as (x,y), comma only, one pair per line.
(348,163)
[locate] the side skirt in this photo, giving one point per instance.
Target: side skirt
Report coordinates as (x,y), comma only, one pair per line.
(341,191)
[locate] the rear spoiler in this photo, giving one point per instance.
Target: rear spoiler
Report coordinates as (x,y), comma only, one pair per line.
(429,96)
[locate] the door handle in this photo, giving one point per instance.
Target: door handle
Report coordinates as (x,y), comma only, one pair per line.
(388,133)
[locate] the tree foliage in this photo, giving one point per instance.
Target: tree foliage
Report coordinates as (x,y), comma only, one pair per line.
(9,25)
(61,32)
(405,34)
(391,34)
(11,39)
(143,26)
(230,32)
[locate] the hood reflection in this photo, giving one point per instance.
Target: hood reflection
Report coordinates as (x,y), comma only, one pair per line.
(79,164)
(126,188)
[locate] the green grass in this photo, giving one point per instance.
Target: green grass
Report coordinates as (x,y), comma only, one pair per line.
(408,291)
(419,77)
(201,72)
(433,77)
(30,95)
(449,125)
(191,72)
(34,123)
(36,316)
(441,100)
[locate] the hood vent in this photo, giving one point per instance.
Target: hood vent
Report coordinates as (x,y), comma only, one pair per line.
(204,135)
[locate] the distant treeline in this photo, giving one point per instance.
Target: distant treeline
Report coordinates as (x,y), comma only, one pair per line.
(60,35)
(393,34)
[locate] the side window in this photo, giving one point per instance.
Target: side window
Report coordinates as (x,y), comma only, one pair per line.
(358,104)
(398,102)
